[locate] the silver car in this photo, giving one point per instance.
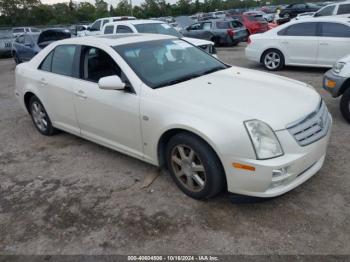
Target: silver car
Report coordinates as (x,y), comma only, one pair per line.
(220,31)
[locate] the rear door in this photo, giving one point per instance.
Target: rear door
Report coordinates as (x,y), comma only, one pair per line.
(56,79)
(334,42)
(28,48)
(299,43)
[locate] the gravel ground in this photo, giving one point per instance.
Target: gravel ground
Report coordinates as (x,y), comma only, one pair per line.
(65,195)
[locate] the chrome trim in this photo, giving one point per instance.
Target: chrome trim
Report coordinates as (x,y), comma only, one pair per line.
(311,128)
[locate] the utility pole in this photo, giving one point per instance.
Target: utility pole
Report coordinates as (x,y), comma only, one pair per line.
(131,7)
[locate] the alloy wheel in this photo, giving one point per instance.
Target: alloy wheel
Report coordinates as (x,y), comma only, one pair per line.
(188,168)
(272,60)
(39,116)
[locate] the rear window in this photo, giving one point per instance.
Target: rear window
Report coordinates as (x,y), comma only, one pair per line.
(18,30)
(236,24)
(256,18)
(62,60)
(109,29)
(223,25)
(344,9)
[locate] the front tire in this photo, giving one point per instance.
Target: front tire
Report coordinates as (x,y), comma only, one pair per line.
(40,117)
(273,60)
(345,105)
(194,166)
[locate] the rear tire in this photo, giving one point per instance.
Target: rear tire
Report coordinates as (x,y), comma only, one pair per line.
(345,105)
(273,60)
(215,40)
(40,117)
(194,166)
(16,58)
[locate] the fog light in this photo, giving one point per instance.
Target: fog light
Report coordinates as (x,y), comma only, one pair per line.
(279,176)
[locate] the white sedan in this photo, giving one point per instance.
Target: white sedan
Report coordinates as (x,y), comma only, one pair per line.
(166,102)
(316,42)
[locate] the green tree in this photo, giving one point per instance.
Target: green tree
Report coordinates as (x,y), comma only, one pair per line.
(101,9)
(85,12)
(123,8)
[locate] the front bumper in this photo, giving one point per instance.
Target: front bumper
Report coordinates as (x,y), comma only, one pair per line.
(333,83)
(300,162)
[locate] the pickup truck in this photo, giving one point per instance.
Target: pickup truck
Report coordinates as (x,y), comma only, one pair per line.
(97,26)
(337,82)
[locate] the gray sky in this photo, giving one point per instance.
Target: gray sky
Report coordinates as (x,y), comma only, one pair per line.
(112,2)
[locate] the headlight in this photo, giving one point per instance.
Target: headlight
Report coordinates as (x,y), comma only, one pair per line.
(338,67)
(264,140)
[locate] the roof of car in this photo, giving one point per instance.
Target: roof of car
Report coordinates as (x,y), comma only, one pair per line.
(326,19)
(114,40)
(137,22)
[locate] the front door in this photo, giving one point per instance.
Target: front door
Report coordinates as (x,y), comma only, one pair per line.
(334,43)
(300,43)
(109,117)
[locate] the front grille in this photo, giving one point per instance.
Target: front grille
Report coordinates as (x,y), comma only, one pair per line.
(312,127)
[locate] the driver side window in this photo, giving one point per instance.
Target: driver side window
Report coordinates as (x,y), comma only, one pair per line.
(195,26)
(96,63)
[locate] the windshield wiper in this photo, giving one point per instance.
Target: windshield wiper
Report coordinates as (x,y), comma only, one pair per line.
(179,80)
(212,70)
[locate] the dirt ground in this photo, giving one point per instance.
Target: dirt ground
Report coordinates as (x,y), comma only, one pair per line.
(65,195)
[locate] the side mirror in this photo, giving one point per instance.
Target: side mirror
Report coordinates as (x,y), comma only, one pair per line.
(88,28)
(111,83)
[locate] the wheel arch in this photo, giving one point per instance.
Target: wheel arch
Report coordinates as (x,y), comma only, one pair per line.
(344,87)
(169,133)
(26,98)
(270,49)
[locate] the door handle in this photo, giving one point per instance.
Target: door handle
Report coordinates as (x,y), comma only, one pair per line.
(43,82)
(323,43)
(81,94)
(285,42)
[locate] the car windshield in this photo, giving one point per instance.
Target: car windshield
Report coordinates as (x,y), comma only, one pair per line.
(157,28)
(166,62)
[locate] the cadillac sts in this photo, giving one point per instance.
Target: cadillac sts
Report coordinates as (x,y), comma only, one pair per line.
(162,100)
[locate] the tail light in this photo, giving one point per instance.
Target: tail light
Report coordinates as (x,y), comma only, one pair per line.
(249,40)
(230,32)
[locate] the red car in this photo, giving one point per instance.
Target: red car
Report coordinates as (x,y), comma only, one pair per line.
(254,23)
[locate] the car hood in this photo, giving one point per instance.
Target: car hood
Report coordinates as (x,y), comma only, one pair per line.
(197,42)
(247,94)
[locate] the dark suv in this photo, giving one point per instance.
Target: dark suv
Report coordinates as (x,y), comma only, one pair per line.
(293,10)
